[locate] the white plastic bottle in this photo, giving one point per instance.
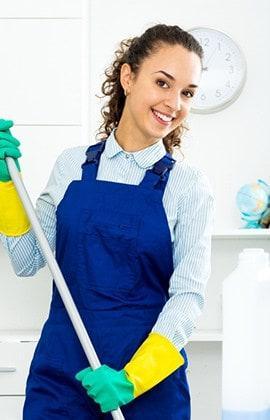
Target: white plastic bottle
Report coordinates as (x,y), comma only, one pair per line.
(246,338)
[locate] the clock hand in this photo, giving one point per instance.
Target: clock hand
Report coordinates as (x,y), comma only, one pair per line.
(209,59)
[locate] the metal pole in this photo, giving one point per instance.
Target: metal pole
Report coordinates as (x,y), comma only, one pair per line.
(57,274)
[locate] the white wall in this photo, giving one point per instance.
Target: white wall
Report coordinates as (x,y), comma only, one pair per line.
(41,91)
(230,145)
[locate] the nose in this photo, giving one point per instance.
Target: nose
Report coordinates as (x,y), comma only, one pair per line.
(173,100)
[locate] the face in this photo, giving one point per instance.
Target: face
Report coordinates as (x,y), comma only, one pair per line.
(160,96)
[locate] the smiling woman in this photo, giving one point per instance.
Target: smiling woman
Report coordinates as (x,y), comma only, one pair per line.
(131,228)
(151,85)
(167,99)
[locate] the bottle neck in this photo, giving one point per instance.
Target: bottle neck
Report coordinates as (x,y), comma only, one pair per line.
(251,264)
(253,257)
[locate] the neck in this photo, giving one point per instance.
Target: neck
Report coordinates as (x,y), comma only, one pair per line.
(130,139)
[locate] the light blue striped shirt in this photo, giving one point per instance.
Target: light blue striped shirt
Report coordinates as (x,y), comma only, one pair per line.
(188,203)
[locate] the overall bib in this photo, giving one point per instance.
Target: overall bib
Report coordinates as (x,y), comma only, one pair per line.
(113,245)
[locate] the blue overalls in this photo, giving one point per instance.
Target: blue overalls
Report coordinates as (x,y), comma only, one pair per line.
(114,248)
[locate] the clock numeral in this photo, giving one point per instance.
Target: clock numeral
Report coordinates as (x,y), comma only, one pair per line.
(204,42)
(224,59)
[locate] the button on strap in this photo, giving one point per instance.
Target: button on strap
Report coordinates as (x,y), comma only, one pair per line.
(163,165)
(93,153)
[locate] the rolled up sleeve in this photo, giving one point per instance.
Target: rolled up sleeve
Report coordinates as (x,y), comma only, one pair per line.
(192,263)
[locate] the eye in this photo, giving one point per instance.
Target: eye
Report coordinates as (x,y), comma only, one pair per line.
(161,83)
(189,93)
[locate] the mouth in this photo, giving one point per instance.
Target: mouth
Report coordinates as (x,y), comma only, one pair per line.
(163,119)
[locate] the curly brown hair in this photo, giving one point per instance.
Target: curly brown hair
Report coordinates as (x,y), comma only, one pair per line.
(133,51)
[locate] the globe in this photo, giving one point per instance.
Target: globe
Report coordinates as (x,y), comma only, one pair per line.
(252,201)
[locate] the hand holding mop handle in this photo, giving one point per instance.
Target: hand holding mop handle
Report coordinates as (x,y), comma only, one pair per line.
(57,274)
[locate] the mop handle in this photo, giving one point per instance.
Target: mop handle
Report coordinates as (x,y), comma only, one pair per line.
(57,274)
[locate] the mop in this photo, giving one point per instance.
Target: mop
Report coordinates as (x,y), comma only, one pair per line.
(57,275)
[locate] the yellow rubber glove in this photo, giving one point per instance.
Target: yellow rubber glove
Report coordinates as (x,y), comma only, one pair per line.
(155,359)
(13,219)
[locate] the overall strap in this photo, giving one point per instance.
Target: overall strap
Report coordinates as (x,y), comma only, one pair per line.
(158,176)
(93,154)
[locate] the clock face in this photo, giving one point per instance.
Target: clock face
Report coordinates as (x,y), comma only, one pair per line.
(224,71)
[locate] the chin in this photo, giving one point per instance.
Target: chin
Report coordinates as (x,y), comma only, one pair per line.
(157,133)
(154,136)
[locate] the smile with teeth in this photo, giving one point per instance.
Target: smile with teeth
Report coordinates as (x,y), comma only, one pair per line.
(163,117)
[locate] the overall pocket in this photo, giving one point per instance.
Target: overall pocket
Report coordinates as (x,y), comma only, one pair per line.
(107,248)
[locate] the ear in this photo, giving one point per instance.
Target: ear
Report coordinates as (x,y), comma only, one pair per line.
(126,77)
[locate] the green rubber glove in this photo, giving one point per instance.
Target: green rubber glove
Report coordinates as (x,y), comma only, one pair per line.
(8,147)
(155,359)
(108,387)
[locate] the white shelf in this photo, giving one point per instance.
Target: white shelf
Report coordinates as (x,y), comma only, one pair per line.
(13,336)
(206,335)
(242,234)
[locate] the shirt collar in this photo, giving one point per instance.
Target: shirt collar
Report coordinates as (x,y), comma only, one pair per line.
(144,158)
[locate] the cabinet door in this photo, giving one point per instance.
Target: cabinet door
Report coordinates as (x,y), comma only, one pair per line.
(11,407)
(15,359)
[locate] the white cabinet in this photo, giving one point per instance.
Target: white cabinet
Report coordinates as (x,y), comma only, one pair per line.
(15,357)
(11,407)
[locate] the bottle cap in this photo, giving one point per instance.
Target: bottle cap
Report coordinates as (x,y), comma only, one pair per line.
(254,256)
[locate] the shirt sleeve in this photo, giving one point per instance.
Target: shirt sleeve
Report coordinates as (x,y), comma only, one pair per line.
(192,264)
(24,251)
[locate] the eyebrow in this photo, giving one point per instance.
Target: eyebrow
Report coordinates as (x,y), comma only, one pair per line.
(172,78)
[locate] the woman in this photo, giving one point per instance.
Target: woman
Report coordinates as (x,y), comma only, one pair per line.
(131,229)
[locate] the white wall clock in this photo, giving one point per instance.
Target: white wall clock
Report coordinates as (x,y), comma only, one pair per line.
(224,71)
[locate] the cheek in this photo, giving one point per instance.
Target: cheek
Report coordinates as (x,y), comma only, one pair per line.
(185,110)
(181,119)
(141,100)
(183,114)
(142,104)
(147,96)
(149,99)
